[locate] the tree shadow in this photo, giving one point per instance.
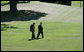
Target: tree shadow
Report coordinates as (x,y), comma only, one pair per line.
(59,2)
(21,15)
(6,26)
(17,3)
(4,4)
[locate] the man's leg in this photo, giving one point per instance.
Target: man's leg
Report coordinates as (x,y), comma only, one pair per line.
(33,35)
(42,34)
(38,35)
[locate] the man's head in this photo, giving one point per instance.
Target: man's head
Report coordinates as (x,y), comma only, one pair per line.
(40,22)
(33,22)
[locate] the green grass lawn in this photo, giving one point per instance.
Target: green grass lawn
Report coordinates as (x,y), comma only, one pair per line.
(77,3)
(58,36)
(3,2)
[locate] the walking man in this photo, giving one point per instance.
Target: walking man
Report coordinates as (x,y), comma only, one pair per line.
(40,30)
(32,29)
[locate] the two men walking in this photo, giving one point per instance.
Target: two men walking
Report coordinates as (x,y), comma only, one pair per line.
(40,30)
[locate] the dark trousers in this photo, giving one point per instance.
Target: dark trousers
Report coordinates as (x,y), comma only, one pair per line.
(40,32)
(33,36)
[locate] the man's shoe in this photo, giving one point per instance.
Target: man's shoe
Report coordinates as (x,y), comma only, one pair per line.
(34,38)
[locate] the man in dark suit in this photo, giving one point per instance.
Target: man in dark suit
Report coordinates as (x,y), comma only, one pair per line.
(32,29)
(40,30)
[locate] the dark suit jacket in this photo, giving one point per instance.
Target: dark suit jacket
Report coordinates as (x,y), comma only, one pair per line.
(40,28)
(32,28)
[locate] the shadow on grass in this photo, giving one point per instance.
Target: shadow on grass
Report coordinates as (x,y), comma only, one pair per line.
(59,2)
(6,26)
(33,39)
(30,39)
(4,4)
(21,15)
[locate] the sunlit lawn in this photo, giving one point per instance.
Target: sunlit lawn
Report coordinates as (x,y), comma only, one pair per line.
(58,36)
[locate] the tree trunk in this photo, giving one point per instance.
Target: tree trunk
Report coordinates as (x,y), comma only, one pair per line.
(13,6)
